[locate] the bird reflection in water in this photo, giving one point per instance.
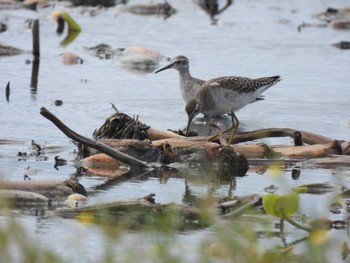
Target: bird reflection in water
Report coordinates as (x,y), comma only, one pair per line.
(212,8)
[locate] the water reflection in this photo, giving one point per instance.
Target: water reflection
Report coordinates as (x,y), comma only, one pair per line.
(34,79)
(70,37)
(135,59)
(296,174)
(202,127)
(212,8)
(153,9)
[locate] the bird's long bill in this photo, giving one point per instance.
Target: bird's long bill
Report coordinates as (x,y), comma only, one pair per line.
(164,68)
(190,118)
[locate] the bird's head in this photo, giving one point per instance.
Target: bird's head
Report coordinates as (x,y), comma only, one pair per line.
(179,63)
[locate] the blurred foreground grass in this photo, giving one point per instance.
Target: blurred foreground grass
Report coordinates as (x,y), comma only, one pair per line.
(232,240)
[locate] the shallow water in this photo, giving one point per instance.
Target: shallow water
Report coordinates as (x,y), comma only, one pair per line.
(253,38)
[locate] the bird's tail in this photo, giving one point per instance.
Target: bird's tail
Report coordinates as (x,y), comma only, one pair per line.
(265,83)
(274,79)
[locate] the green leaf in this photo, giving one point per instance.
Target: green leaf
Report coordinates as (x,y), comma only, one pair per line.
(72,25)
(281,205)
(269,203)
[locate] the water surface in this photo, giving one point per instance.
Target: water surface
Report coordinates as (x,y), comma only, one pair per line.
(253,39)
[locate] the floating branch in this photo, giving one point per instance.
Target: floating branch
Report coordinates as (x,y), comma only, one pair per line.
(133,162)
(307,137)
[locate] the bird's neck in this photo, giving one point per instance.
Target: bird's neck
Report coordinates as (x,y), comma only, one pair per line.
(185,74)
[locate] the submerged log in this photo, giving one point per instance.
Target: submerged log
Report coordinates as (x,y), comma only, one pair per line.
(239,206)
(50,189)
(146,213)
(54,190)
(138,213)
(330,162)
(23,198)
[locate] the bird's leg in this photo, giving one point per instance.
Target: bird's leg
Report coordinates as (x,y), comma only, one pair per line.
(211,138)
(218,133)
(234,127)
(235,124)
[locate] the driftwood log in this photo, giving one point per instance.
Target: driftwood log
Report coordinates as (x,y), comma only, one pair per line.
(185,150)
(307,137)
(166,146)
(226,159)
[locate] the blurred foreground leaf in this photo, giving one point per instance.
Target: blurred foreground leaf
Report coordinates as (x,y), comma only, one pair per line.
(281,205)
